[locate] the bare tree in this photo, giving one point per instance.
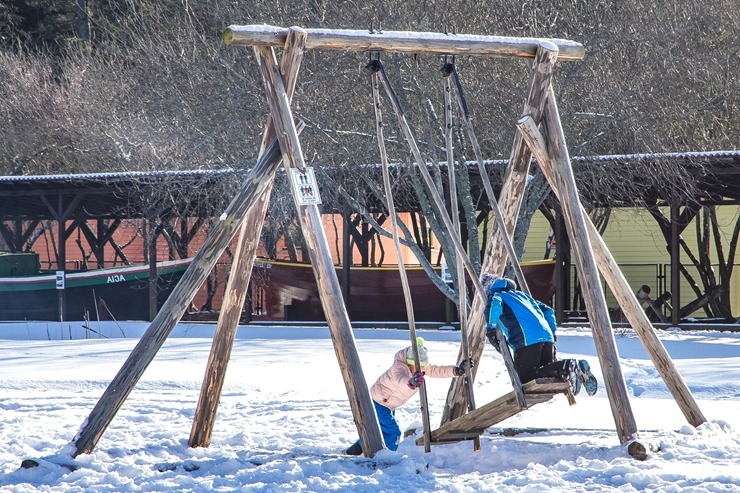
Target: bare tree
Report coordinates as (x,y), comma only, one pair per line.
(154,88)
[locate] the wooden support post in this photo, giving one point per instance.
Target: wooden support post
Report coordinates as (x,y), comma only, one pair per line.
(152,268)
(62,259)
(19,234)
(402,42)
(675,265)
(629,303)
(512,191)
(640,322)
(241,271)
(347,258)
(61,215)
(161,327)
(564,186)
(562,269)
(329,289)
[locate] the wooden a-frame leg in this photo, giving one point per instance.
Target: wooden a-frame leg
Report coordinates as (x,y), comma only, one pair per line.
(241,271)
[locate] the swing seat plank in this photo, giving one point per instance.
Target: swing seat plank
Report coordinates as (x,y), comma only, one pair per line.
(475,422)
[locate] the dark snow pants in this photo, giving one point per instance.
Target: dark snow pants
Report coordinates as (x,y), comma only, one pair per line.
(538,361)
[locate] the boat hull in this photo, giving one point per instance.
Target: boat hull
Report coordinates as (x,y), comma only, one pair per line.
(104,294)
(288,292)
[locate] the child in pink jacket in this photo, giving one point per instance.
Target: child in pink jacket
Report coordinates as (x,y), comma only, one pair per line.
(398,384)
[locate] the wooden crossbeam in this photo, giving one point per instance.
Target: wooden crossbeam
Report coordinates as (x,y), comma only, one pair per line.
(474,423)
(402,42)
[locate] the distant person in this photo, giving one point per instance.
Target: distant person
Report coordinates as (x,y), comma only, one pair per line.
(398,384)
(529,328)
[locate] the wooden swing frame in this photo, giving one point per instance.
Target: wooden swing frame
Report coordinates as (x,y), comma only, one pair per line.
(246,212)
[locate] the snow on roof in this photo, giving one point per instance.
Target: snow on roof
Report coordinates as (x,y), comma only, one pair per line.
(102,177)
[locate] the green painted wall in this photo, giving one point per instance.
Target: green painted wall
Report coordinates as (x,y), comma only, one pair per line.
(637,245)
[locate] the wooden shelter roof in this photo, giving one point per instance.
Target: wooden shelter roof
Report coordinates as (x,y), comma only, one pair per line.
(131,194)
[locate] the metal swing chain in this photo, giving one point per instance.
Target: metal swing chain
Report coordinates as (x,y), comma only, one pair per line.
(450,69)
(454,212)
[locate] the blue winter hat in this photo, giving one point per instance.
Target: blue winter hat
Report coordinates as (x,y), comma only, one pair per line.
(502,284)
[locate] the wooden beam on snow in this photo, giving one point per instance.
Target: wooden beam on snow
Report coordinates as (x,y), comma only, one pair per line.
(172,310)
(636,316)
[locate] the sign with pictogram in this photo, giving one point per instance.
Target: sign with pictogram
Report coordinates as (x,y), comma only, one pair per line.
(305,189)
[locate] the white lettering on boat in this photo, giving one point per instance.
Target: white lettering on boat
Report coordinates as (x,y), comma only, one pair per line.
(116,278)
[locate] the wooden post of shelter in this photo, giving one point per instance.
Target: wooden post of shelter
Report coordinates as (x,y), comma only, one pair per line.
(241,270)
(553,146)
(62,261)
(675,264)
(61,214)
(512,191)
(346,258)
(562,268)
(329,289)
(153,232)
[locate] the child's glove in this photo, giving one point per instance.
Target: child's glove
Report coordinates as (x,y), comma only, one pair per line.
(464,365)
(416,380)
(493,339)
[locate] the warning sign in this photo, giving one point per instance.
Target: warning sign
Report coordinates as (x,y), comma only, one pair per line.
(305,189)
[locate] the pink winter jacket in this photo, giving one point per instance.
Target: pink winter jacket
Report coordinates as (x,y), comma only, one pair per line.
(392,387)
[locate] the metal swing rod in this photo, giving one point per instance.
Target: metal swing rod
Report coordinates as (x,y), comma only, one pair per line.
(462,291)
(427,430)
(450,69)
(377,66)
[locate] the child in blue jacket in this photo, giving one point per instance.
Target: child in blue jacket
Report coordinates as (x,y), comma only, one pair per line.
(529,328)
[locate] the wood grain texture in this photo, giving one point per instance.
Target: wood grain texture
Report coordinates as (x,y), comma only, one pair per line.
(625,296)
(551,152)
(402,42)
(330,291)
(241,271)
(180,298)
(476,422)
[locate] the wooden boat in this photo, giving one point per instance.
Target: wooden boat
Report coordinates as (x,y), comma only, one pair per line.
(288,292)
(118,293)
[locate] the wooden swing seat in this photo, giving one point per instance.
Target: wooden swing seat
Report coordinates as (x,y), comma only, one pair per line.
(475,422)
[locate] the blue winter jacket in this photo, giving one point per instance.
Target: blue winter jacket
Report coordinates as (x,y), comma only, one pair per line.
(523,320)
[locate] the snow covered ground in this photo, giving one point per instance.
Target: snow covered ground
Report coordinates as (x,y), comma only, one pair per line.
(284,416)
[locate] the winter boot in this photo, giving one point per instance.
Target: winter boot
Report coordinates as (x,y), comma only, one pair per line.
(355,449)
(588,378)
(571,373)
